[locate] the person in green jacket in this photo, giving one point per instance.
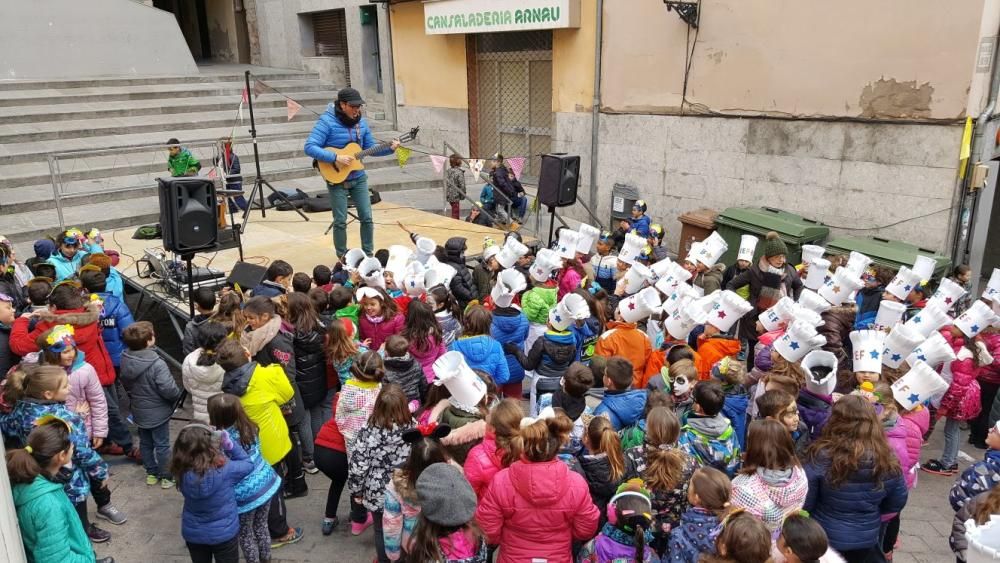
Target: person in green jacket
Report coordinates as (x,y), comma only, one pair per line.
(181,162)
(50,528)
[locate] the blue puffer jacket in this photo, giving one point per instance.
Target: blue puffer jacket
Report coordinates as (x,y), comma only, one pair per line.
(257,488)
(330,132)
(640,226)
(510,325)
(115,285)
(693,536)
(66,268)
(735,409)
(21,421)
(210,512)
(586,339)
(978,478)
(623,408)
(484,353)
(115,318)
(851,512)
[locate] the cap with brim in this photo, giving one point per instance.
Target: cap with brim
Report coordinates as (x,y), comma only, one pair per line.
(350,96)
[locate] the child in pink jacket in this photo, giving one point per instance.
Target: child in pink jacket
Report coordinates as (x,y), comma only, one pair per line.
(86,397)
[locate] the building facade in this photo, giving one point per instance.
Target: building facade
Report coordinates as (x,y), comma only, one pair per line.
(849,113)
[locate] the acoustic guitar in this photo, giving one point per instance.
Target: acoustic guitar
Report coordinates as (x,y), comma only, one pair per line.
(335,173)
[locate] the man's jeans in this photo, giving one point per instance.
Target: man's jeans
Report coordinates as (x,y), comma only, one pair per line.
(358,191)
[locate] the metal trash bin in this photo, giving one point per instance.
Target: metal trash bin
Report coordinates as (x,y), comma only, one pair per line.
(696,226)
(794,229)
(623,196)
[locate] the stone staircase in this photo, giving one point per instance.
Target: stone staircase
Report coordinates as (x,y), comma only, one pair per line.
(109,134)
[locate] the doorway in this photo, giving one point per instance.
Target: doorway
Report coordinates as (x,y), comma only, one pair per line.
(370,47)
(510,97)
(215,30)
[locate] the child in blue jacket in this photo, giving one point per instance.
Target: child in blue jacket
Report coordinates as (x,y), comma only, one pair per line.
(115,316)
(208,467)
(708,493)
(481,350)
(622,405)
(510,326)
(980,476)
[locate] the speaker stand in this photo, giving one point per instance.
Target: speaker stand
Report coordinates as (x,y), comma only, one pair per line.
(259,181)
(187,258)
(552,224)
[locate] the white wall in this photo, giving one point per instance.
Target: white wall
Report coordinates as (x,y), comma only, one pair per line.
(71,39)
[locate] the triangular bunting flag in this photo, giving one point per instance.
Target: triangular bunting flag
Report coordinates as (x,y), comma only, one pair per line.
(476,165)
(293,108)
(243,97)
(259,87)
(402,155)
(438,162)
(516,165)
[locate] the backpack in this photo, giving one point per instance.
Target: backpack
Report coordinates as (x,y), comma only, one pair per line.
(147,232)
(296,198)
(317,204)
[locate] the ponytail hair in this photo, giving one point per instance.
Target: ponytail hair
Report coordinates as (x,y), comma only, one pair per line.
(633,514)
(505,420)
(44,443)
(211,335)
(541,440)
(32,382)
(603,439)
(664,462)
(713,489)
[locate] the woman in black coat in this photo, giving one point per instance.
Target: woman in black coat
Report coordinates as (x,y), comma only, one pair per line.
(770,279)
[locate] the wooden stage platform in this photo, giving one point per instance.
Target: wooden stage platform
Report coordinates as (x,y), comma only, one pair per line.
(284,235)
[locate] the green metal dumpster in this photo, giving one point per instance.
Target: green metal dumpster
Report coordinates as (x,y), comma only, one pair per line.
(889,253)
(794,229)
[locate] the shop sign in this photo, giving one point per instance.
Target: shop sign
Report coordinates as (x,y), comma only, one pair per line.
(485,16)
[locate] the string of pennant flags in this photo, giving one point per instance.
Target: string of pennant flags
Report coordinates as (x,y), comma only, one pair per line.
(514,163)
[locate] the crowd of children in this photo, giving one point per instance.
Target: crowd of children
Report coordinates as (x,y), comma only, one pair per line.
(559,404)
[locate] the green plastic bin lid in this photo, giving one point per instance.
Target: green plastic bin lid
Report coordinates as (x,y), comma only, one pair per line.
(886,252)
(760,220)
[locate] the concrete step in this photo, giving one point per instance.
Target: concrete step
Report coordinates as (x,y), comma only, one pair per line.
(132,108)
(52,96)
(36,151)
(20,199)
(167,124)
(112,81)
(26,226)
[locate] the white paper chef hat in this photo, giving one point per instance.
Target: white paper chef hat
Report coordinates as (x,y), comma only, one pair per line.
(929,320)
(353,258)
(858,263)
(512,250)
(546,262)
(490,251)
(889,314)
(778,315)
(439,274)
(367,292)
(689,315)
(812,301)
(710,250)
(588,236)
(817,274)
(900,343)
(948,292)
(748,244)
(840,287)
(639,306)
(807,315)
(811,253)
(661,268)
(371,272)
(576,306)
(510,282)
(918,386)
(467,390)
(568,239)
(674,278)
(976,318)
(414,276)
(799,339)
(677,299)
(935,351)
(817,384)
(868,346)
(992,291)
(399,257)
(631,248)
(728,309)
(924,267)
(904,282)
(559,316)
(425,249)
(636,278)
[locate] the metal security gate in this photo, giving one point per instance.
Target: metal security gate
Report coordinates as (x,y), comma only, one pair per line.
(511,95)
(330,37)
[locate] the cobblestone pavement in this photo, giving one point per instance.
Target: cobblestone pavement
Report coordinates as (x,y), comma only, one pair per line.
(152,532)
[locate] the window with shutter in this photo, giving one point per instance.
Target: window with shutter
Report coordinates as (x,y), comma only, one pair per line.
(330,37)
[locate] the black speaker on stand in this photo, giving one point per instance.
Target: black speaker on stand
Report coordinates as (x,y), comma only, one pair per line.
(558,181)
(188,220)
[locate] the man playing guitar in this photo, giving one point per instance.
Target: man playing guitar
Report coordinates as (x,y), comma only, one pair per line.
(341,124)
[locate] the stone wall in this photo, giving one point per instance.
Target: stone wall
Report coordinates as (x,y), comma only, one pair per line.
(437,125)
(846,174)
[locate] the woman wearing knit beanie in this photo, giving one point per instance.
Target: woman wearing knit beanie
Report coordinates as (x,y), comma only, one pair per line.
(770,279)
